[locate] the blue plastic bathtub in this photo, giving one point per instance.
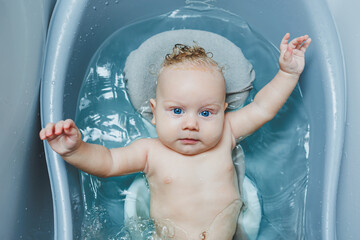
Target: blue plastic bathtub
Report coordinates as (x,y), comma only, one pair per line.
(323,89)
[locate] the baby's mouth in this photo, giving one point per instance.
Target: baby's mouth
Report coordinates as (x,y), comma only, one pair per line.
(189,141)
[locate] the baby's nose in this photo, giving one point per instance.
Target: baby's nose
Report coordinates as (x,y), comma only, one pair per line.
(191,123)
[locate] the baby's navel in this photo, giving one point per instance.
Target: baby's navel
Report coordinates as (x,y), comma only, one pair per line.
(167,180)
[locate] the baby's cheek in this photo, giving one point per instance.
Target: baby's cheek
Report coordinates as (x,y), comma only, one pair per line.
(163,125)
(214,135)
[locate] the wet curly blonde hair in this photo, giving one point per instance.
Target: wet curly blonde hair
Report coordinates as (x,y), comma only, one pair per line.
(190,54)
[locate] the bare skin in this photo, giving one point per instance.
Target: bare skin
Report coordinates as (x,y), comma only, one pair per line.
(193,184)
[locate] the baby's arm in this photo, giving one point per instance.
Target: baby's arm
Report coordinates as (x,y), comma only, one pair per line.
(273,96)
(65,139)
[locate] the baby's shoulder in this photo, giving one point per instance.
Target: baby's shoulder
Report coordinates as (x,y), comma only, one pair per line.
(148,143)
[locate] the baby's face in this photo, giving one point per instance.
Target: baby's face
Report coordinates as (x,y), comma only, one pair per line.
(189,108)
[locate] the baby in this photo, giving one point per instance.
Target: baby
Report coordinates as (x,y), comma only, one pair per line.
(192,180)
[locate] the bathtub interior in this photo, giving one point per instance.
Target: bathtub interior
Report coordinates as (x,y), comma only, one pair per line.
(95,21)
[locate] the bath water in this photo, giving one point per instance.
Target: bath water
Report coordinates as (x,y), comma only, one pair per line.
(276,155)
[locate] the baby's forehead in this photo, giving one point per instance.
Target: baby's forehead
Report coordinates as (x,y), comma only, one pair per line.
(182,79)
(192,66)
(167,73)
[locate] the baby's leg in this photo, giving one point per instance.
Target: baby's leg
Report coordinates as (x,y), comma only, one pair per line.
(224,225)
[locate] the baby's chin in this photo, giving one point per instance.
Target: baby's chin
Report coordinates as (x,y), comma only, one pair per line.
(189,149)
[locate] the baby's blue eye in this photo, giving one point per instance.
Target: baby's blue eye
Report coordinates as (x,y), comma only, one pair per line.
(205,113)
(177,111)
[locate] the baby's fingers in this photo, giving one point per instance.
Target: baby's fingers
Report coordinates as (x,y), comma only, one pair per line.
(284,42)
(42,134)
(305,45)
(47,132)
(297,42)
(70,127)
(59,127)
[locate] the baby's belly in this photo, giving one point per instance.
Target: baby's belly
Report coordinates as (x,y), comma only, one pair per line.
(192,211)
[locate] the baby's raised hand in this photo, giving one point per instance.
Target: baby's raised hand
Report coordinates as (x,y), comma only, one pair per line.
(63,137)
(292,55)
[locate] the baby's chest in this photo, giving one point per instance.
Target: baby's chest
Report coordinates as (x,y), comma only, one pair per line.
(201,172)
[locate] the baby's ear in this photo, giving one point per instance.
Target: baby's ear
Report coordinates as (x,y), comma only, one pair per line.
(153,106)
